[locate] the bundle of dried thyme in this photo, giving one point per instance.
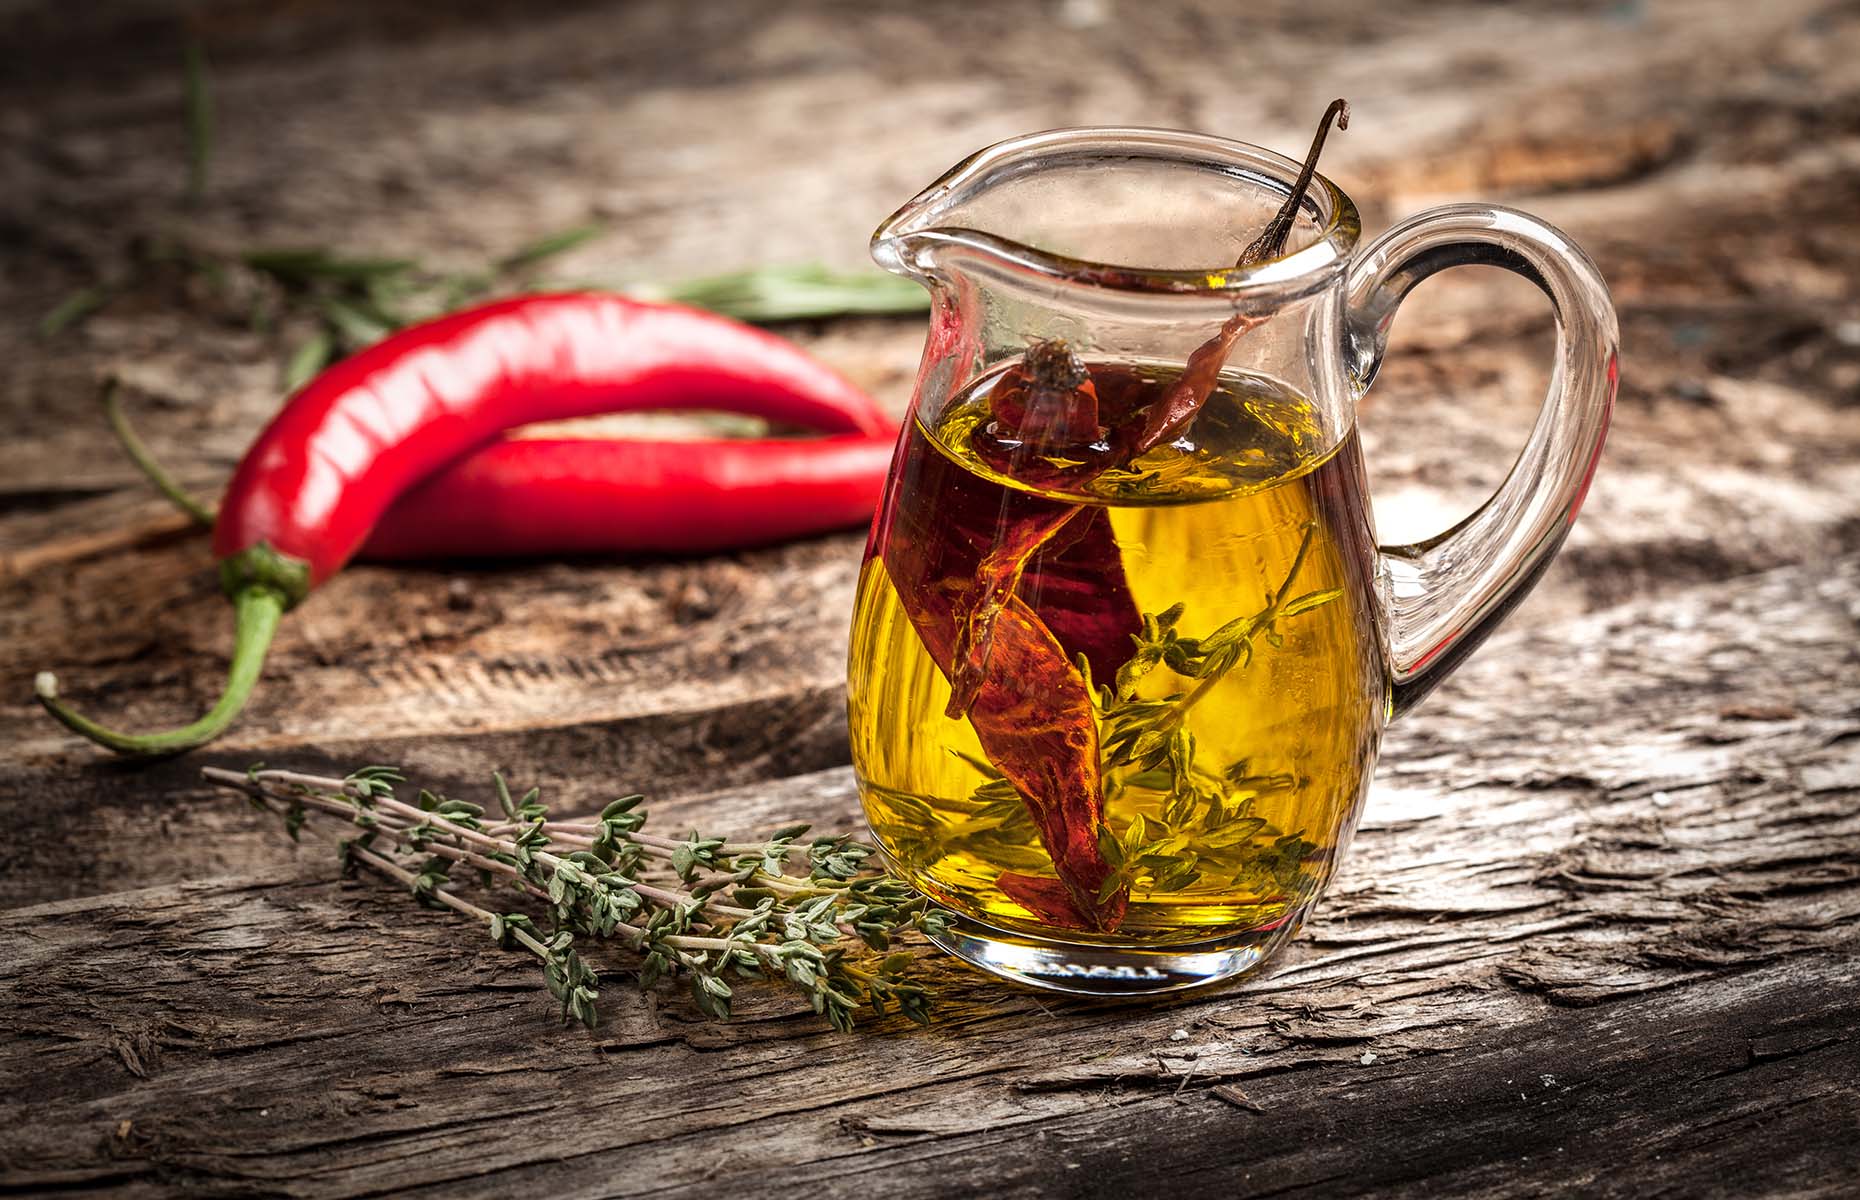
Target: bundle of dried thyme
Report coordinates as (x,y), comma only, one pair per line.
(699,907)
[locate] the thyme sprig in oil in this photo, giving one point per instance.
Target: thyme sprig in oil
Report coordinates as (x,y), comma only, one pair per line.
(1207,825)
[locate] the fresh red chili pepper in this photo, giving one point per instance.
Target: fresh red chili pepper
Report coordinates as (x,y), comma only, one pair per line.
(321,475)
(597,496)
(370,427)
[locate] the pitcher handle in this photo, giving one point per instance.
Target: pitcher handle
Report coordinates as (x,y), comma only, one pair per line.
(1445,595)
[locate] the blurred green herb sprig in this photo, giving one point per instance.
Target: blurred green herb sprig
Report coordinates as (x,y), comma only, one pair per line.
(331,303)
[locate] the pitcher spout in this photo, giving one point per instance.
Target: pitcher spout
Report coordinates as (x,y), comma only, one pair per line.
(1132,210)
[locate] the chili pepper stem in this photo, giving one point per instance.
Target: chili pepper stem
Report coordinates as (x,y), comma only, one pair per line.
(259,606)
(145,461)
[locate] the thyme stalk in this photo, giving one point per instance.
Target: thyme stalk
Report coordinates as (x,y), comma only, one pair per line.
(702,907)
(1205,825)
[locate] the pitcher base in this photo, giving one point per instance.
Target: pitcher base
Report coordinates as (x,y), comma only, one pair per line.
(1083,969)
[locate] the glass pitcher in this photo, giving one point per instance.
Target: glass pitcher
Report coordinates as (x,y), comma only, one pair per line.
(1124,644)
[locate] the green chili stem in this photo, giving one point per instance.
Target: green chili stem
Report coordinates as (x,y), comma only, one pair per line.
(145,461)
(259,607)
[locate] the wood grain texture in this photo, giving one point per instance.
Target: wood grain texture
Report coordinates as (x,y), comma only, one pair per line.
(1603,945)
(1737,446)
(1598,933)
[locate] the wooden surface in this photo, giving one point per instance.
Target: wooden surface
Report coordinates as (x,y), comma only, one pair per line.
(1601,928)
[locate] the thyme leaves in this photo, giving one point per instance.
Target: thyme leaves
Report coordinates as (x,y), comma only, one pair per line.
(813,912)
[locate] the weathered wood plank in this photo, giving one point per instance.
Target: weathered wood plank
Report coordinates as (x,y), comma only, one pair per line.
(1606,888)
(386,656)
(105,827)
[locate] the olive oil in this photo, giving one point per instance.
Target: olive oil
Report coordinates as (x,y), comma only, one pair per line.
(1197,620)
